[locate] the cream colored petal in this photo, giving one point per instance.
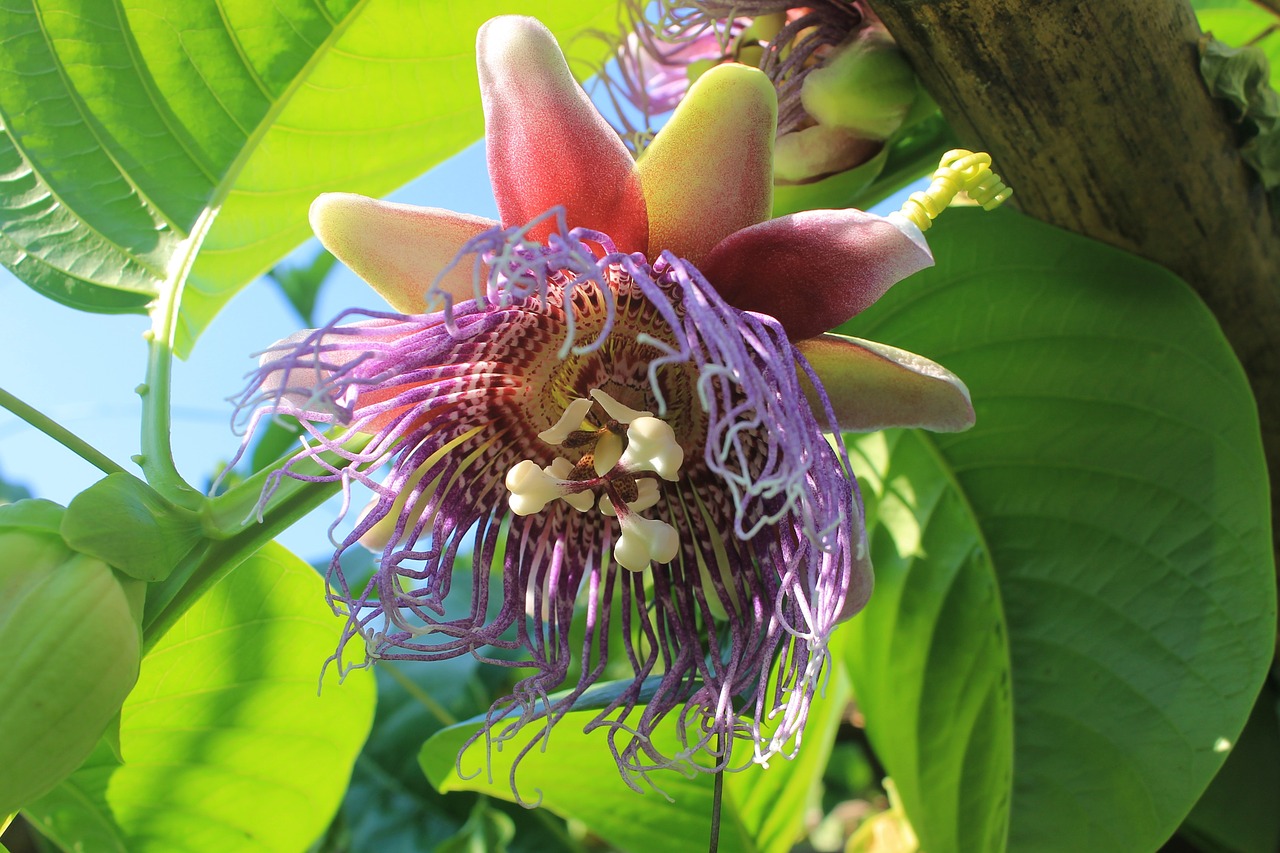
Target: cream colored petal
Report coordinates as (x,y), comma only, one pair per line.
(874,386)
(399,249)
(709,171)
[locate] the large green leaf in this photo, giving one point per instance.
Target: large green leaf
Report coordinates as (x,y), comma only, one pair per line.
(929,656)
(1107,519)
(129,125)
(226,744)
(576,777)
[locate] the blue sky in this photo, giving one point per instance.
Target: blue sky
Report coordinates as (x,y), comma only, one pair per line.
(81,369)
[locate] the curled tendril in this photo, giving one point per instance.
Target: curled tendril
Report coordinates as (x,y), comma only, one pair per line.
(958,171)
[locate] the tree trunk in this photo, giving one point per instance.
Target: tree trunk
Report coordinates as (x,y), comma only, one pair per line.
(1096,114)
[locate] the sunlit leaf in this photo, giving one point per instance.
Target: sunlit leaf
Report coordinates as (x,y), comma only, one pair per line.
(227,745)
(576,777)
(301,284)
(1107,518)
(69,651)
(929,654)
(128,126)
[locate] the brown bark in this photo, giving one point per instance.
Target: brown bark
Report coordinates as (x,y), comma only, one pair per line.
(1096,114)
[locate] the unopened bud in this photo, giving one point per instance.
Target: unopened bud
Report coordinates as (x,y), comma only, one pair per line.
(864,86)
(71,649)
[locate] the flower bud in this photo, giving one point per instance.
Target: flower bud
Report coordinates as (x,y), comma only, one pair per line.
(864,86)
(70,645)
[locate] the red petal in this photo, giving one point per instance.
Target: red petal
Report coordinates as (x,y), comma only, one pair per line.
(709,172)
(815,269)
(547,145)
(399,249)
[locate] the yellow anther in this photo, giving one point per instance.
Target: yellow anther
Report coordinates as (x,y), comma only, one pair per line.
(647,496)
(958,171)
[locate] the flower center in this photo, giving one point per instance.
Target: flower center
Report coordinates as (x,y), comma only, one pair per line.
(621,453)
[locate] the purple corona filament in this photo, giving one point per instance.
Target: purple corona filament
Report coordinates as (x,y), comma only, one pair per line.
(445,398)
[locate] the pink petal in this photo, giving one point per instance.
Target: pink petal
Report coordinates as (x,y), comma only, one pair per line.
(399,249)
(298,375)
(709,172)
(815,269)
(873,386)
(547,145)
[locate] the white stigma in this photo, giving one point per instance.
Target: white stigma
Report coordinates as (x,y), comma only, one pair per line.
(614,409)
(574,414)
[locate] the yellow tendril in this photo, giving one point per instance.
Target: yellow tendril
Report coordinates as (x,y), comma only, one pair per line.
(958,171)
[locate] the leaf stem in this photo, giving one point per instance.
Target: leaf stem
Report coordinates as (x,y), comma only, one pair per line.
(157,450)
(60,434)
(235,510)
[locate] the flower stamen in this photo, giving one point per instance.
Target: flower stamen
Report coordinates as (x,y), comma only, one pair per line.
(620,458)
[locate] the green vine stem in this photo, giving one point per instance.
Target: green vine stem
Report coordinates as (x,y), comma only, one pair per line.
(236,510)
(157,450)
(209,562)
(60,434)
(233,532)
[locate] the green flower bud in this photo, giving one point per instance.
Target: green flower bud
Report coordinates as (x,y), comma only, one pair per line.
(864,86)
(70,646)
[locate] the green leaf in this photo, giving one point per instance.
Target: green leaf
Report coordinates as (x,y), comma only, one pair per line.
(32,514)
(576,777)
(227,745)
(301,284)
(123,522)
(390,807)
(772,803)
(1112,506)
(928,656)
(127,128)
